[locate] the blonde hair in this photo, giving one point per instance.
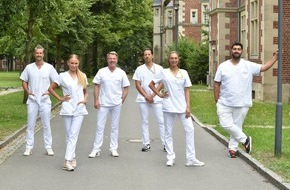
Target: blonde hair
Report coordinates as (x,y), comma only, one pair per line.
(81,76)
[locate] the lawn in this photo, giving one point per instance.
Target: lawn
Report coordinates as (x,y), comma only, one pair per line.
(9,80)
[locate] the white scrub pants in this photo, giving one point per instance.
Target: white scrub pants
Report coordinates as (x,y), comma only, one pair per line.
(44,110)
(101,122)
(144,111)
(231,119)
(72,125)
(189,135)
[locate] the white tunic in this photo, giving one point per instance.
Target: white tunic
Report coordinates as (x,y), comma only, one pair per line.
(111,86)
(145,76)
(236,82)
(38,81)
(71,87)
(174,87)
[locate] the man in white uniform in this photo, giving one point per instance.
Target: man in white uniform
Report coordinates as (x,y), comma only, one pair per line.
(110,91)
(147,99)
(36,79)
(233,95)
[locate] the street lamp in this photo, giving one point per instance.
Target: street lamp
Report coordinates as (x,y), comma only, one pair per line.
(162,31)
(176,8)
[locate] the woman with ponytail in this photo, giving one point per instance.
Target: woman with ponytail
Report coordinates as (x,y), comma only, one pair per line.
(74,88)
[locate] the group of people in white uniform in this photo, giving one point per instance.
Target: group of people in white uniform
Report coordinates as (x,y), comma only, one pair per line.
(166,91)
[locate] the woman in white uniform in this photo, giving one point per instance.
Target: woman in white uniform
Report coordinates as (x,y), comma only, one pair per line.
(74,99)
(176,101)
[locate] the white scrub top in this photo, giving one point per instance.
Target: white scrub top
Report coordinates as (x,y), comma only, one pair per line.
(111,86)
(145,76)
(71,87)
(174,87)
(236,82)
(38,81)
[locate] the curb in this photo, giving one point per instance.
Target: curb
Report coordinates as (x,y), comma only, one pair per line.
(274,178)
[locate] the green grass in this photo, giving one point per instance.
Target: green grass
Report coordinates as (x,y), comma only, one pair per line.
(9,80)
(259,123)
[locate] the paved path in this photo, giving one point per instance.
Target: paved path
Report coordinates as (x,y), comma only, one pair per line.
(133,169)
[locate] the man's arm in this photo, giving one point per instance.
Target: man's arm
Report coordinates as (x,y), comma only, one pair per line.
(96,96)
(271,62)
(216,90)
(125,93)
(25,88)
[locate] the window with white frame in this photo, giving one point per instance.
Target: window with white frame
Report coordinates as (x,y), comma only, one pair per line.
(205,17)
(243,31)
(193,16)
(156,12)
(254,10)
(169,19)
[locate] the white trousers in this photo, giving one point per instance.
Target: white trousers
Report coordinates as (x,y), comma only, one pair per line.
(44,109)
(158,113)
(189,135)
(102,115)
(232,119)
(72,125)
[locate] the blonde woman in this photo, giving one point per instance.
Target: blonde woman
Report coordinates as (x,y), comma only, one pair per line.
(74,87)
(176,102)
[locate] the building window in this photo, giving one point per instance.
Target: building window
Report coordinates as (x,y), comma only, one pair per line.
(205,17)
(169,21)
(254,27)
(243,28)
(156,12)
(193,17)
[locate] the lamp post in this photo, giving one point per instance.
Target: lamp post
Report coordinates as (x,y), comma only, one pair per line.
(176,8)
(279,105)
(162,30)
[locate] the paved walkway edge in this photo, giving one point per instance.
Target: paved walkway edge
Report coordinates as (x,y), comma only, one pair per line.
(275,179)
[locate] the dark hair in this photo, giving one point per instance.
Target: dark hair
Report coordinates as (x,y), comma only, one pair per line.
(146,49)
(237,44)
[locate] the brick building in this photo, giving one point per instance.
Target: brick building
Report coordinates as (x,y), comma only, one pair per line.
(255,24)
(192,18)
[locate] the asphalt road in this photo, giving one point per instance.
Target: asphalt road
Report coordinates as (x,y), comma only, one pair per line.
(133,169)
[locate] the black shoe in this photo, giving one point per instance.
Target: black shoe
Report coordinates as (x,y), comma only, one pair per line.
(248,145)
(146,148)
(233,154)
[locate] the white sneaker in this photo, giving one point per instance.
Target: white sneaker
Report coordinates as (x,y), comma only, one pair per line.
(170,163)
(114,153)
(74,163)
(49,152)
(27,152)
(68,166)
(194,162)
(94,153)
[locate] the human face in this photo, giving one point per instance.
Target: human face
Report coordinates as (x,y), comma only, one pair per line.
(237,52)
(147,56)
(173,60)
(38,54)
(112,61)
(73,64)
